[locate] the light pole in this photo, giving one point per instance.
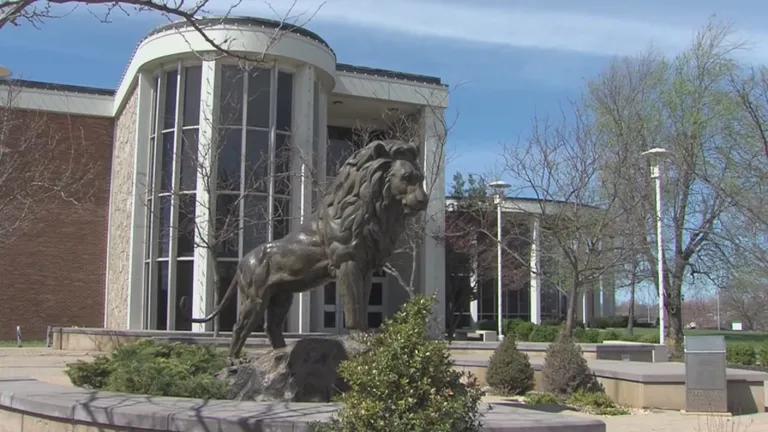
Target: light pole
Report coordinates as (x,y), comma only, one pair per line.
(499,188)
(656,155)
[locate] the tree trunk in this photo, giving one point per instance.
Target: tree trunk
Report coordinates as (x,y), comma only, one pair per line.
(631,314)
(674,307)
(573,301)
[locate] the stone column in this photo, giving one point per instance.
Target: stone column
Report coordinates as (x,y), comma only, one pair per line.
(302,135)
(432,256)
(535,263)
(136,304)
(203,288)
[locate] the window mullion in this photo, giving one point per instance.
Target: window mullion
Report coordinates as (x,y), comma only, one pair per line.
(155,228)
(271,150)
(175,185)
(241,195)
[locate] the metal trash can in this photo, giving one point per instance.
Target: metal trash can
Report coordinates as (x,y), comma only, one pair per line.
(706,387)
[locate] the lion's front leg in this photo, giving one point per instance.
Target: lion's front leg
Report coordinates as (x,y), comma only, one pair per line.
(279,305)
(354,281)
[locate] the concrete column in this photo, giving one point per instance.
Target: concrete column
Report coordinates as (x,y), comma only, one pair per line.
(535,257)
(474,304)
(136,297)
(302,136)
(203,288)
(432,257)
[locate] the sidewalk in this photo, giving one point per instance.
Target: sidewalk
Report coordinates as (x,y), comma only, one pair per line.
(43,364)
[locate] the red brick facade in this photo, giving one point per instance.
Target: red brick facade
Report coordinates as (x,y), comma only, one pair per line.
(54,272)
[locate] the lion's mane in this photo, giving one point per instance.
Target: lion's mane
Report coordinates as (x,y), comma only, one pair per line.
(359,203)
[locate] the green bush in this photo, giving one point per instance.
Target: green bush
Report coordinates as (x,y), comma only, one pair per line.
(586,335)
(610,321)
(520,329)
(741,354)
(92,375)
(595,403)
(509,371)
(762,355)
(487,325)
(566,370)
(630,337)
(609,335)
(537,398)
(147,367)
(405,382)
(544,334)
(649,338)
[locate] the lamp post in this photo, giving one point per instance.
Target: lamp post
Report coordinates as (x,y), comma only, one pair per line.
(656,155)
(499,188)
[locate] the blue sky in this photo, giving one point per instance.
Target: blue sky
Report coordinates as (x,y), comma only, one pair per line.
(505,61)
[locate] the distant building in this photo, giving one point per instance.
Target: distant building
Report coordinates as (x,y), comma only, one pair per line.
(532,284)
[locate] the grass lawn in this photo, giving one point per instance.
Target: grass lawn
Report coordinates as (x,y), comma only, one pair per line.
(755,339)
(26,344)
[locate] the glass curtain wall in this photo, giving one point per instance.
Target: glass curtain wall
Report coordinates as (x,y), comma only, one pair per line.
(172,179)
(249,180)
(253,172)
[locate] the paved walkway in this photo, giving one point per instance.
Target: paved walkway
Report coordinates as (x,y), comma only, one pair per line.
(48,365)
(42,364)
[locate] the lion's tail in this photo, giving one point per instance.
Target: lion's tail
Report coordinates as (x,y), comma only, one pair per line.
(219,307)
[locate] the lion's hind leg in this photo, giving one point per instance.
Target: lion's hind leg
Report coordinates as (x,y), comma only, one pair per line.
(250,317)
(279,305)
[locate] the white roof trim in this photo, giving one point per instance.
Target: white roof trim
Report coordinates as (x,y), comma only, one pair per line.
(390,89)
(59,101)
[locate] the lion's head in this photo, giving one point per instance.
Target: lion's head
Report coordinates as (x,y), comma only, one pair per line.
(374,190)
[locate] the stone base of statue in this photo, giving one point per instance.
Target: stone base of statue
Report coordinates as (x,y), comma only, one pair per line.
(306,371)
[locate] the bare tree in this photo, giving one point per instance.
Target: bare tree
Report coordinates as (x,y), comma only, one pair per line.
(40,162)
(746,298)
(686,106)
(560,166)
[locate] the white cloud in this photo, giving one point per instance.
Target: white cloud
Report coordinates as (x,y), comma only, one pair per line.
(470,21)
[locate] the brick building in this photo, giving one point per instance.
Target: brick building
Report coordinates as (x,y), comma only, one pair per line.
(52,272)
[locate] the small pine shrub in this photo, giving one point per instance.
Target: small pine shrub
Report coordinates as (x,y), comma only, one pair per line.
(595,403)
(741,354)
(510,372)
(544,334)
(405,382)
(762,355)
(157,369)
(538,399)
(566,370)
(608,335)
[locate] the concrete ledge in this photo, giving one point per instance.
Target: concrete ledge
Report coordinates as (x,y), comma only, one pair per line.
(651,385)
(58,408)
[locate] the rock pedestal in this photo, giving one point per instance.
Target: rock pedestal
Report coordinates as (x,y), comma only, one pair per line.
(302,372)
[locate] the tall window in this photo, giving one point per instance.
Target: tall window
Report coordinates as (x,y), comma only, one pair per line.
(171,196)
(253,146)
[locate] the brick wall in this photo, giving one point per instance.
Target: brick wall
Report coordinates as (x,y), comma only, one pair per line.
(53,273)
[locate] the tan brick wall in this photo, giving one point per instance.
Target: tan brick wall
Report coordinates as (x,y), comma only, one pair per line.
(53,273)
(120,215)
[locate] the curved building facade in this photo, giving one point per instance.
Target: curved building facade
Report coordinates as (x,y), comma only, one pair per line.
(214,155)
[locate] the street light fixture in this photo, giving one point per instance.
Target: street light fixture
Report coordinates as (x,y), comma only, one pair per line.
(656,155)
(499,187)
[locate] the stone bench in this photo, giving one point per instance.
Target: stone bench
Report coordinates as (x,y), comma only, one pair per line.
(27,404)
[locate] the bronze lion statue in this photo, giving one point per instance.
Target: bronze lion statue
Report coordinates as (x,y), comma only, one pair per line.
(354,230)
